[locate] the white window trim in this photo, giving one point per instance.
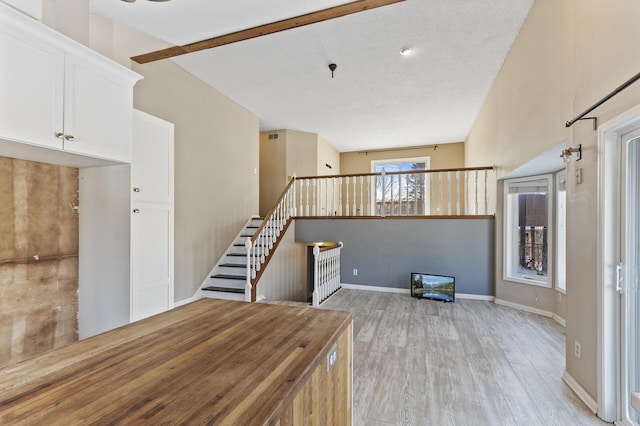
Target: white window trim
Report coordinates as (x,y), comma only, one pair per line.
(557,236)
(426,160)
(508,227)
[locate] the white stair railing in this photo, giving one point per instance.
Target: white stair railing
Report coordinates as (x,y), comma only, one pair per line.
(326,272)
(446,192)
(261,245)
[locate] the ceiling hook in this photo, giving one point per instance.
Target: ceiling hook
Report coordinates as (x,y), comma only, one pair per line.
(332,67)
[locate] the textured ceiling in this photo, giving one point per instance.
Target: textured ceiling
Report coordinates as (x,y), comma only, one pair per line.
(378,98)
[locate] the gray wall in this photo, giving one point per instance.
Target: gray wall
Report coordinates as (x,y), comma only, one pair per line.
(386,251)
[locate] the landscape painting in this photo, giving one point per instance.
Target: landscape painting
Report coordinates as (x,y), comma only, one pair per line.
(436,287)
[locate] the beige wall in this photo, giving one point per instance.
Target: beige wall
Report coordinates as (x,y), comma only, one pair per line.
(216,155)
(445,156)
(327,154)
(302,153)
(569,54)
(293,152)
(286,275)
(273,172)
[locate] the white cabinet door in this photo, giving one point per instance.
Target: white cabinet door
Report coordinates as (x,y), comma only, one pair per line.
(152,170)
(31,89)
(152,259)
(97,111)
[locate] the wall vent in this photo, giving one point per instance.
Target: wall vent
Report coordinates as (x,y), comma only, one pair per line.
(273,136)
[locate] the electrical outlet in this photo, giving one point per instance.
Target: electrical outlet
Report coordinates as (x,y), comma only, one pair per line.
(559,297)
(578,173)
(355,271)
(332,358)
(577,349)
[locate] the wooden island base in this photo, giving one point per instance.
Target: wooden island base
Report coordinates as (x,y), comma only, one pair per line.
(208,362)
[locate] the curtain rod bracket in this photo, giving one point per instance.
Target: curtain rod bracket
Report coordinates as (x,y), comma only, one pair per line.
(595,122)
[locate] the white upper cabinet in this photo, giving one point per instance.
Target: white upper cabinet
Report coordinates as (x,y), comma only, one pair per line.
(31,89)
(59,94)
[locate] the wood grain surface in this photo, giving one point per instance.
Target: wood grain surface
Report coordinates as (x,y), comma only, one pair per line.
(208,362)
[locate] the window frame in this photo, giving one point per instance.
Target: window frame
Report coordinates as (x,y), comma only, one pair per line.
(427,190)
(508,239)
(559,175)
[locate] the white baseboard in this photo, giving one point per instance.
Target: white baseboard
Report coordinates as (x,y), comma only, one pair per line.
(560,320)
(580,392)
(524,308)
(474,297)
(185,301)
(376,288)
(407,291)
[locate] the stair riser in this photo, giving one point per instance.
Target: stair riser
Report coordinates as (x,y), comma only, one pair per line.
(232,271)
(225,282)
(241,240)
(222,295)
(238,250)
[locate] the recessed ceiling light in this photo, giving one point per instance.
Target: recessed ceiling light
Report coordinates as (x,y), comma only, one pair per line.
(406,51)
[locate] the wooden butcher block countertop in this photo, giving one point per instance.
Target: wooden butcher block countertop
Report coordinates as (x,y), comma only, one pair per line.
(208,362)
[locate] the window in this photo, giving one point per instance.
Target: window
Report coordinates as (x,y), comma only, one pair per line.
(561,231)
(528,210)
(401,194)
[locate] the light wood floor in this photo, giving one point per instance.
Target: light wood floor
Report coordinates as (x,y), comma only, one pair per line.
(421,362)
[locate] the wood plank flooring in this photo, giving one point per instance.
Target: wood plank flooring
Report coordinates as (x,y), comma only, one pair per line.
(421,362)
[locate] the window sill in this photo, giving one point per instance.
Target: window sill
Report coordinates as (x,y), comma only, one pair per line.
(529,281)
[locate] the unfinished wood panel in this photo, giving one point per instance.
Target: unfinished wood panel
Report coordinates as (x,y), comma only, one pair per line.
(38,258)
(208,362)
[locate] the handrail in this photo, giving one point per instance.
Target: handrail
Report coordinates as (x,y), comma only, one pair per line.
(270,213)
(464,169)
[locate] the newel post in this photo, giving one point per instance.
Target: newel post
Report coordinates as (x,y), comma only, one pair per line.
(316,259)
(247,286)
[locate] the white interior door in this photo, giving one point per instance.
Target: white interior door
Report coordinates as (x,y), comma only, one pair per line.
(628,279)
(152,259)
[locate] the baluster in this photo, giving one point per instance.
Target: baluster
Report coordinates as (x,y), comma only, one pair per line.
(347,196)
(313,207)
(369,201)
(361,198)
(340,196)
(315,295)
(391,196)
(486,194)
(432,185)
(333,197)
(441,206)
(458,193)
(449,192)
(326,197)
(476,195)
(466,192)
(355,182)
(382,184)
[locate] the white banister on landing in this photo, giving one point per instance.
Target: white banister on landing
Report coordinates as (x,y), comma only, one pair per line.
(326,272)
(446,192)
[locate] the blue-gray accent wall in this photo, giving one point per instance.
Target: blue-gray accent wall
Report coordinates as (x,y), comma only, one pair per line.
(386,251)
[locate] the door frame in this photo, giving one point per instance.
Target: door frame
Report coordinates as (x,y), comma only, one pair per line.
(608,199)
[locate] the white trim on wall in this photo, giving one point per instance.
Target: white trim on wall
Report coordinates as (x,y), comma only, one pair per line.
(579,390)
(524,308)
(407,291)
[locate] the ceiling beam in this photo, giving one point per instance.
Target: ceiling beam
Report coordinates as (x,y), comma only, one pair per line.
(262,30)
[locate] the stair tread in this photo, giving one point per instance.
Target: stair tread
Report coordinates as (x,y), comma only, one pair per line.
(224,289)
(229,277)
